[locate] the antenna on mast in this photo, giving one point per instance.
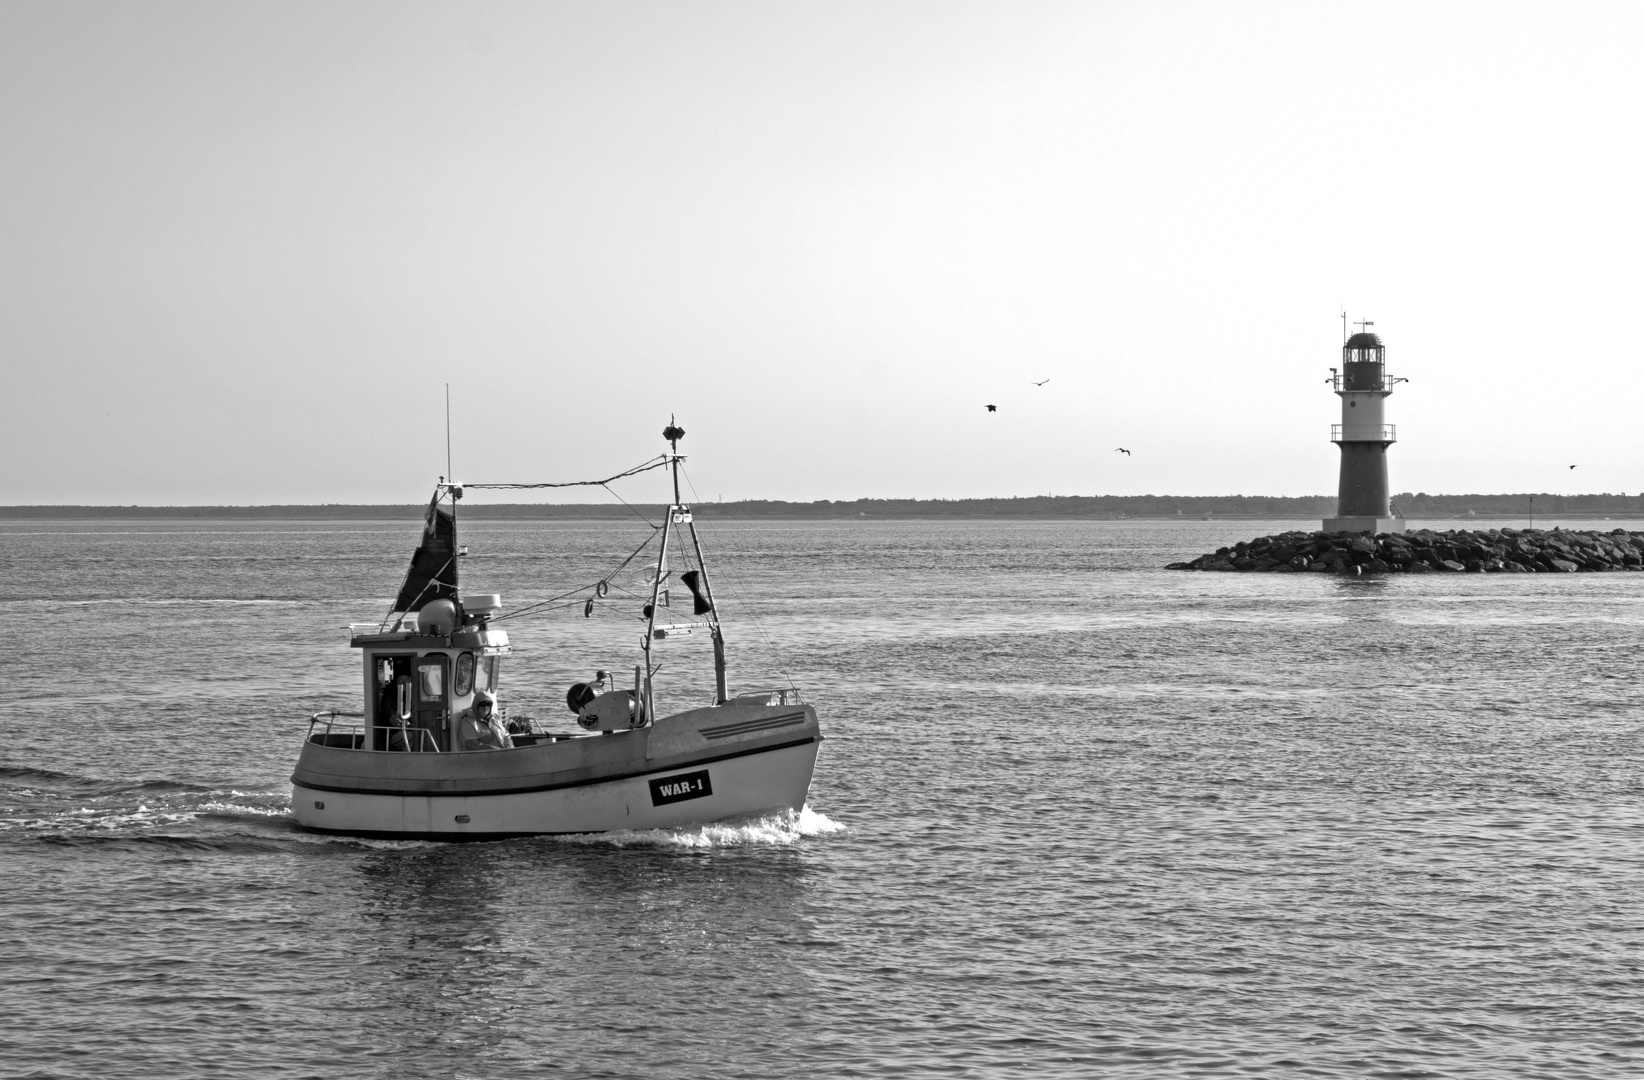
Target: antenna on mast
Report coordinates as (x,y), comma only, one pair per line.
(673,433)
(448,430)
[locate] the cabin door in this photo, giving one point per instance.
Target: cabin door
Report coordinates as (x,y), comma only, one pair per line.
(394,704)
(432,708)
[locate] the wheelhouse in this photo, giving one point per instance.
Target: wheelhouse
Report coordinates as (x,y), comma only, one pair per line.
(421,675)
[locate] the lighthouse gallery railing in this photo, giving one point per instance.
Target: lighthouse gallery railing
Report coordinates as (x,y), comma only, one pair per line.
(1383,433)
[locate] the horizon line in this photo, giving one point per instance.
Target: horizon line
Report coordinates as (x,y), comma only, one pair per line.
(1409,497)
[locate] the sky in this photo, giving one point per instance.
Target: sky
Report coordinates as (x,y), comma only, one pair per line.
(245,247)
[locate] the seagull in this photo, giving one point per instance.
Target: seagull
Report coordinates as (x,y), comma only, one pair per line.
(1126,453)
(1041,382)
(1572,466)
(995,408)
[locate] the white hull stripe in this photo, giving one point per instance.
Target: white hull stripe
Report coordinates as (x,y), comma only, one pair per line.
(612,779)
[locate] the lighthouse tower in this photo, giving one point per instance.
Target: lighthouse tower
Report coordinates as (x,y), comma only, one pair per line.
(1362,499)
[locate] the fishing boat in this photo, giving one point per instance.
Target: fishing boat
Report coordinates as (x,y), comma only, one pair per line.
(431,756)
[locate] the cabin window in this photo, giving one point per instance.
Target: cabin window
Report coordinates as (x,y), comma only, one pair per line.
(486,677)
(463,681)
(433,681)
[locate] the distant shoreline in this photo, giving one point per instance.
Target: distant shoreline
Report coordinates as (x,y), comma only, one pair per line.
(1419,506)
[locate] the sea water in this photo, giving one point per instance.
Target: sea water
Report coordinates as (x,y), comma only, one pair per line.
(1075,815)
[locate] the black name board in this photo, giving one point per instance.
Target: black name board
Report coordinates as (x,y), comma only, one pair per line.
(691,785)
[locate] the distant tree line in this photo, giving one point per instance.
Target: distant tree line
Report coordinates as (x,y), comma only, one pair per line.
(1421,504)
(1414,505)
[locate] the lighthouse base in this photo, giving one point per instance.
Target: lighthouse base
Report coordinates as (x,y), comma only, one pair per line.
(1364,524)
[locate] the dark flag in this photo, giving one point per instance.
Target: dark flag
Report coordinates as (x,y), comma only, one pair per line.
(433,573)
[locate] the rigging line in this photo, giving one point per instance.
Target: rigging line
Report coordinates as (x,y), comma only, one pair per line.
(610,491)
(544,607)
(657,463)
(535,605)
(438,489)
(753,616)
(404,581)
(432,581)
(631,557)
(776,654)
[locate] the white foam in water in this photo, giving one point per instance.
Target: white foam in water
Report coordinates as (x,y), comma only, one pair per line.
(242,808)
(779,829)
(784,828)
(109,818)
(167,812)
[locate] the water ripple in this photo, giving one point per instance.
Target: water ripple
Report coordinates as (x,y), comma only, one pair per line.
(1075,816)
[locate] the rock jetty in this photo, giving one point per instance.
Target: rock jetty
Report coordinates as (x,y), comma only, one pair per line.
(1513,551)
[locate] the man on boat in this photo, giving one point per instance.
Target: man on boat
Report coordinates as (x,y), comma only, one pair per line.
(480,729)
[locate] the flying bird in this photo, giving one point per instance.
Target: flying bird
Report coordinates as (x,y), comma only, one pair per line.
(995,408)
(1572,466)
(1041,382)
(1126,453)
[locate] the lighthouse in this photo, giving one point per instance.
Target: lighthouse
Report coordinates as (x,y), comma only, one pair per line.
(1362,498)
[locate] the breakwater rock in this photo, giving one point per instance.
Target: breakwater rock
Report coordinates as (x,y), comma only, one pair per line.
(1546,551)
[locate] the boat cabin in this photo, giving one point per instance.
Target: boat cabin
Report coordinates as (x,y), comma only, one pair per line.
(422,674)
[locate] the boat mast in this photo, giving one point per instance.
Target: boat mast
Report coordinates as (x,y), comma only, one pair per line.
(455,492)
(650,610)
(679,513)
(720,694)
(673,434)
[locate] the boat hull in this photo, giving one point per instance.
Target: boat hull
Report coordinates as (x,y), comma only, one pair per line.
(695,768)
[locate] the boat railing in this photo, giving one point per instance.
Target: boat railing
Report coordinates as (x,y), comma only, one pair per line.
(789,696)
(351,736)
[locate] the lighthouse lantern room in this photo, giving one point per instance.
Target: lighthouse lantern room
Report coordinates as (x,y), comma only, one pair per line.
(1363,502)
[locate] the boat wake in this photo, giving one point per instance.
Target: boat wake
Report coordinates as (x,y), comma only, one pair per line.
(780,829)
(40,803)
